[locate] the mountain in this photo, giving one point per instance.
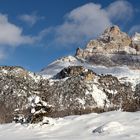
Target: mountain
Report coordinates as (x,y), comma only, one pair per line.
(113,48)
(102,77)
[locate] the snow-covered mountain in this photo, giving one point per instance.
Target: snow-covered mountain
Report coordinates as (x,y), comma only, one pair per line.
(102,77)
(114,52)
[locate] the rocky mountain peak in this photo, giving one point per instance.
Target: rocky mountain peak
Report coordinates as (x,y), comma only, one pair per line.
(113,30)
(114,35)
(113,47)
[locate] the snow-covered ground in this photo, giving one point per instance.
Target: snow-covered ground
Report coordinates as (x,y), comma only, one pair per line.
(114,125)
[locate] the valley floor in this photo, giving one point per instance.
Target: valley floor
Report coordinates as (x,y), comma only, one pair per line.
(114,125)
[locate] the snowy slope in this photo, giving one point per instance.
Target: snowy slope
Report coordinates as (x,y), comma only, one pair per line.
(123,73)
(56,66)
(106,126)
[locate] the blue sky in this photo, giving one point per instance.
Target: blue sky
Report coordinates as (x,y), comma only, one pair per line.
(33,33)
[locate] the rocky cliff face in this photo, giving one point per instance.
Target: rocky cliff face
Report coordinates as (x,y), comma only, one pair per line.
(113,48)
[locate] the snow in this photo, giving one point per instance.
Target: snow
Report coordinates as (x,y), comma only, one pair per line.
(130,50)
(109,127)
(58,65)
(121,73)
(34,99)
(136,38)
(111,91)
(82,101)
(112,125)
(4,71)
(35,77)
(33,110)
(99,96)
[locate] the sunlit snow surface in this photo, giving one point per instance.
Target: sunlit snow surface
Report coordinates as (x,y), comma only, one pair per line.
(113,125)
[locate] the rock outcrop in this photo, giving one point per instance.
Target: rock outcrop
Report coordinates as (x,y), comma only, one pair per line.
(113,48)
(72,71)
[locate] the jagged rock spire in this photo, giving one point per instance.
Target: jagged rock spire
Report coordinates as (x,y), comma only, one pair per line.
(115,30)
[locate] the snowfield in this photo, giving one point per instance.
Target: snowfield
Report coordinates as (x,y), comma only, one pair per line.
(114,125)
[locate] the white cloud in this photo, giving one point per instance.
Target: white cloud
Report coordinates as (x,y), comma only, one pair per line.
(80,25)
(120,10)
(133,29)
(11,34)
(83,22)
(30,19)
(90,20)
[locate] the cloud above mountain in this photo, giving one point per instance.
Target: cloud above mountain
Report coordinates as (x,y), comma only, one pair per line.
(83,22)
(90,20)
(120,11)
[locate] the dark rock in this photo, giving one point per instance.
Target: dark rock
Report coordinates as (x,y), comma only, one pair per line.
(72,71)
